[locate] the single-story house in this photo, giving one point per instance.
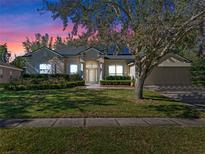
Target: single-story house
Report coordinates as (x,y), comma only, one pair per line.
(9,72)
(94,65)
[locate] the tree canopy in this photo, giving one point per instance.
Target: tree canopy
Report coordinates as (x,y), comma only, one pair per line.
(52,42)
(38,42)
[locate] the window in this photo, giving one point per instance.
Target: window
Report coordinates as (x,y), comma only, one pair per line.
(115,70)
(112,70)
(81,67)
(1,73)
(73,69)
(91,65)
(119,70)
(45,69)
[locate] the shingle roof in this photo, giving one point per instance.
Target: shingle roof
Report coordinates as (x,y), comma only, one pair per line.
(71,51)
(118,57)
(40,49)
(7,65)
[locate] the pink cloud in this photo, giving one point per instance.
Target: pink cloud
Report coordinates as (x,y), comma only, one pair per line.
(15,36)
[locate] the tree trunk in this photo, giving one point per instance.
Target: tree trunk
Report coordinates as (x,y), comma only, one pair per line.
(139,84)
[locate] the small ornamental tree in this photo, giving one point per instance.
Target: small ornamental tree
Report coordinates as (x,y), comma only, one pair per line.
(38,42)
(18,62)
(4,54)
(149,28)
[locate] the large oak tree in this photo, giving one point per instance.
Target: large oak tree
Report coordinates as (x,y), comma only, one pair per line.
(149,28)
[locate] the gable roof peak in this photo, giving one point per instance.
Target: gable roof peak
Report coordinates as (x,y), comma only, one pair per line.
(41,48)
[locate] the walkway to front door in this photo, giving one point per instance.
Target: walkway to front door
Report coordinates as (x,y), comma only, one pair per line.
(93,86)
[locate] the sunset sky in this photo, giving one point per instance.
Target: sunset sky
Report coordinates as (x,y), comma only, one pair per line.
(20,19)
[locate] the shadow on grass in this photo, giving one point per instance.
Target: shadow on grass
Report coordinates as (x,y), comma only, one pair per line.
(50,103)
(180,111)
(159,98)
(170,110)
(79,102)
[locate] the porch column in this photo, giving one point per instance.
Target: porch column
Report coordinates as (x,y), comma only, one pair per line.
(82,68)
(101,68)
(101,62)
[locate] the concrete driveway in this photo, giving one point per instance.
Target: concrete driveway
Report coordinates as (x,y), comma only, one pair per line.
(191,95)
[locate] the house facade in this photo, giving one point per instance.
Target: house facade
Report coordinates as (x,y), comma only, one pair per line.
(94,65)
(9,72)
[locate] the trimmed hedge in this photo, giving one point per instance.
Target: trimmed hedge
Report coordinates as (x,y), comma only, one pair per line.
(44,76)
(73,77)
(118,78)
(18,87)
(115,82)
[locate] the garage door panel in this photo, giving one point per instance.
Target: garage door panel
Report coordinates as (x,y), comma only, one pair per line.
(169,76)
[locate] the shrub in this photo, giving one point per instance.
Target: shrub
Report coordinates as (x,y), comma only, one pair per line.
(73,77)
(118,78)
(115,82)
(10,86)
(198,71)
(48,79)
(43,86)
(35,76)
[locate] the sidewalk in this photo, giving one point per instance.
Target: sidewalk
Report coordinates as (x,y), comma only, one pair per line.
(93,122)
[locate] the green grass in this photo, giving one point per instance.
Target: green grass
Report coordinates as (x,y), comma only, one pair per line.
(142,140)
(2,85)
(89,103)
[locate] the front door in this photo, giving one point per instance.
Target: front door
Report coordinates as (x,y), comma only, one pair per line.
(91,72)
(91,75)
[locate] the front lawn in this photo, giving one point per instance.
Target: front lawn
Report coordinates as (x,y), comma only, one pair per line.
(89,103)
(142,140)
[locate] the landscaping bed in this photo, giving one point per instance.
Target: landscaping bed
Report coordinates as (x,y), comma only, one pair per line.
(45,81)
(17,87)
(117,81)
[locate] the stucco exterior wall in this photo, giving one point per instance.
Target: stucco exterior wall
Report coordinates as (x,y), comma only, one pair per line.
(169,76)
(40,57)
(9,74)
(72,60)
